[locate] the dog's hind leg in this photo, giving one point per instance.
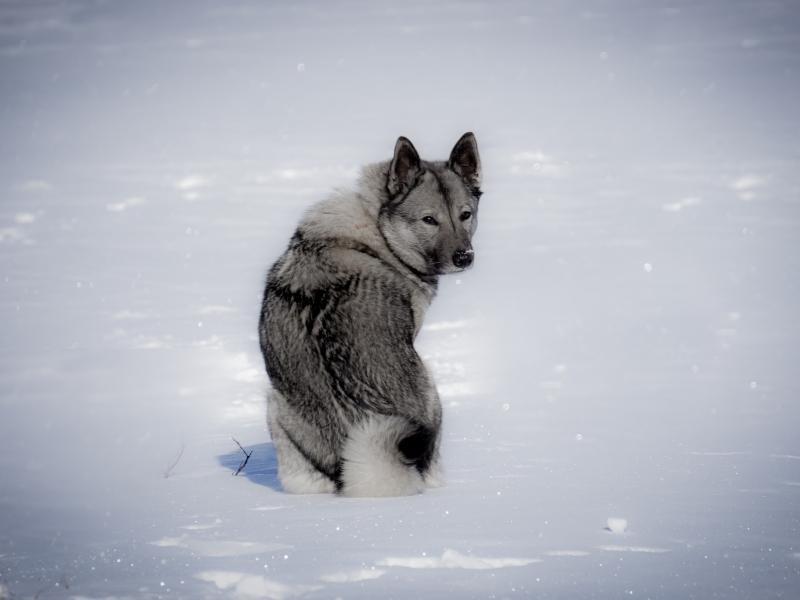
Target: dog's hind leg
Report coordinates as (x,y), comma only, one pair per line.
(295,471)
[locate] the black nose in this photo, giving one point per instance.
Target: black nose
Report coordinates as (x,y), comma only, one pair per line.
(462,258)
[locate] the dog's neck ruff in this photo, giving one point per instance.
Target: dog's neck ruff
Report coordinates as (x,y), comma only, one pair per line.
(426,278)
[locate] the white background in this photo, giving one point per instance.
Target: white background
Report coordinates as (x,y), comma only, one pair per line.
(625,346)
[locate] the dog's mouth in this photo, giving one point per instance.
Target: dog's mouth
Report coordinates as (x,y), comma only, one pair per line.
(450,268)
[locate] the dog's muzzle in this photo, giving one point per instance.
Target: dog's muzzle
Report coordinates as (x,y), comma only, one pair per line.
(463,258)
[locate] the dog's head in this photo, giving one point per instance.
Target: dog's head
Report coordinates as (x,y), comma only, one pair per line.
(431,212)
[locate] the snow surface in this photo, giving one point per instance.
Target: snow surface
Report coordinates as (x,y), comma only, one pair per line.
(625,347)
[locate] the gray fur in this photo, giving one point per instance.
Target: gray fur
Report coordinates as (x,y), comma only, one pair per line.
(341,309)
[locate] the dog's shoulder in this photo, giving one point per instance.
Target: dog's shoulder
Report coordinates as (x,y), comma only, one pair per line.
(340,236)
(348,218)
(339,251)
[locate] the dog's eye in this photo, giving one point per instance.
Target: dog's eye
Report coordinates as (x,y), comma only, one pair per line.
(429,220)
(465,215)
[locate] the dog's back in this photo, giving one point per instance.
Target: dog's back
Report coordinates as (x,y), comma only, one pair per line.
(353,409)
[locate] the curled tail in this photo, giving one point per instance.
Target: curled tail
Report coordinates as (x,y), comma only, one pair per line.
(386,456)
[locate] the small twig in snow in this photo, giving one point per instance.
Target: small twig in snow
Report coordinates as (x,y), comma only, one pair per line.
(247,456)
(64,581)
(175,462)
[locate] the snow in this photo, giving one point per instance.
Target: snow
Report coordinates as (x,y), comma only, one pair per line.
(625,346)
(616,524)
(254,586)
(451,559)
(616,548)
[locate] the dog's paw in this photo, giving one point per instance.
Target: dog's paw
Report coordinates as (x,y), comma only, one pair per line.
(305,482)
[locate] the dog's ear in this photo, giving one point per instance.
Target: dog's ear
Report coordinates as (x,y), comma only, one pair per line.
(405,167)
(465,161)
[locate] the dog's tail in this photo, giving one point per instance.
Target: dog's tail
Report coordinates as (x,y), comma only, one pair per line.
(386,456)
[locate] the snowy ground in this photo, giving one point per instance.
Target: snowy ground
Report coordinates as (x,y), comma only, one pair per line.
(626,345)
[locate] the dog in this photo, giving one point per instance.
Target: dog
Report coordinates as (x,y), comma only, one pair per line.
(353,409)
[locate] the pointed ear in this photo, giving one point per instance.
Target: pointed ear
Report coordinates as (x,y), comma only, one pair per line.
(465,161)
(404,168)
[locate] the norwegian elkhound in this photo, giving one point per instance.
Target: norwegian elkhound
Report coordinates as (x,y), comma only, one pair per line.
(353,409)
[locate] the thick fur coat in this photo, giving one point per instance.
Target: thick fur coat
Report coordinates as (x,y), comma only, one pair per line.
(353,408)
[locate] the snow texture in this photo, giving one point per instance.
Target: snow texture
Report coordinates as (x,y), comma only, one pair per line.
(616,524)
(625,346)
(451,559)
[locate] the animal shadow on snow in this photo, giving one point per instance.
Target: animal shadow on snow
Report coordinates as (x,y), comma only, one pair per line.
(261,468)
